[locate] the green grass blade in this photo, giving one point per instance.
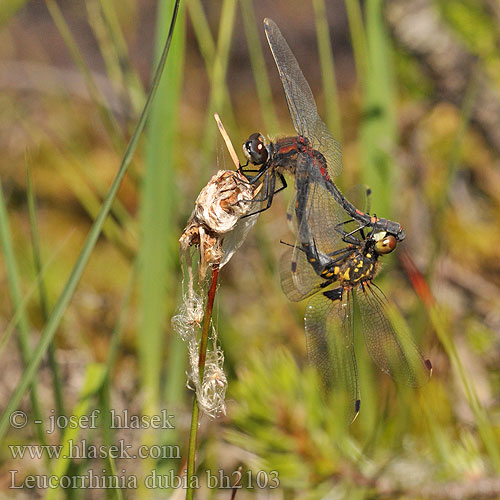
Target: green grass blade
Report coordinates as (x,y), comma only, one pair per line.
(114,472)
(378,129)
(484,426)
(98,99)
(259,67)
(202,32)
(469,100)
(94,375)
(116,337)
(8,8)
(106,28)
(91,203)
(208,51)
(42,292)
(218,96)
(158,252)
(27,297)
(133,84)
(83,184)
(14,284)
(358,38)
(106,47)
(71,284)
(332,106)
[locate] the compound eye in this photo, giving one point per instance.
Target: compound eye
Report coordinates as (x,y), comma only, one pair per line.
(255,149)
(386,245)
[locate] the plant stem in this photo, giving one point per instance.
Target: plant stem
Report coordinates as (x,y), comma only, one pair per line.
(201,368)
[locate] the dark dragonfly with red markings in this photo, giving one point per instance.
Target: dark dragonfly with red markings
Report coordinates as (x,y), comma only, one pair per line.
(335,277)
(316,150)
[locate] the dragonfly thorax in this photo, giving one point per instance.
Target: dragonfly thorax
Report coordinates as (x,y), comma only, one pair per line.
(357,268)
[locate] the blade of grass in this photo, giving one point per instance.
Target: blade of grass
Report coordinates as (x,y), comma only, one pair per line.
(98,99)
(94,375)
(358,38)
(112,466)
(259,68)
(218,96)
(42,293)
(91,204)
(71,284)
(207,48)
(132,80)
(72,169)
(8,8)
(27,297)
(378,129)
(202,32)
(106,47)
(106,28)
(332,106)
(158,251)
(457,144)
(116,337)
(484,426)
(442,329)
(14,285)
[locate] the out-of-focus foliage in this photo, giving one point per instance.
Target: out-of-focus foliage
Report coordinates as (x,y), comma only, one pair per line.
(444,189)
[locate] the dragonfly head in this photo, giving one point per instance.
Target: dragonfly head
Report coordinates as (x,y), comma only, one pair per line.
(384,242)
(256,150)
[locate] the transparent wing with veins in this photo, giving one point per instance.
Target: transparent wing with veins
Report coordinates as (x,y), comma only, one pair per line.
(391,348)
(330,346)
(300,100)
(317,215)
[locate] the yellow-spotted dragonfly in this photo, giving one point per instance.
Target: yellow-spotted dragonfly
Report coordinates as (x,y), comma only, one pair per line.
(332,277)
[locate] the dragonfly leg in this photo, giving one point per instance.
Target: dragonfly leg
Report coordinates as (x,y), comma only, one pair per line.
(241,167)
(349,237)
(269,185)
(260,172)
(269,189)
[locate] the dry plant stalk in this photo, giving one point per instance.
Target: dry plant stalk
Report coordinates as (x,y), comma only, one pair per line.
(217,228)
(218,210)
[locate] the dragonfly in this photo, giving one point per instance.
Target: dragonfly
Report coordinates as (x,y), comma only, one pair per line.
(315,148)
(332,281)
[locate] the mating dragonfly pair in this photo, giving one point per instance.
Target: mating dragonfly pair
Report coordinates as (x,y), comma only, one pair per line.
(330,261)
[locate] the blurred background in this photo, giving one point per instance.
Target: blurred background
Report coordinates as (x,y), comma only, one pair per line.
(411,91)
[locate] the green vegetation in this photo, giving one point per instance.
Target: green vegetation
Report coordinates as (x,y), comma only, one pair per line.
(99,176)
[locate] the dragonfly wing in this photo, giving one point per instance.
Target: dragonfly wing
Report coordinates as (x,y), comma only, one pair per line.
(298,278)
(291,218)
(300,100)
(392,349)
(317,213)
(330,346)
